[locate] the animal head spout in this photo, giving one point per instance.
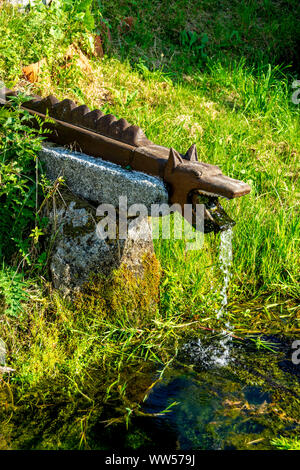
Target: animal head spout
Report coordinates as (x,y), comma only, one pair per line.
(202,183)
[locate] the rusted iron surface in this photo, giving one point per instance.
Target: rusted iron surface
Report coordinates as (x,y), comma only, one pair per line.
(118,141)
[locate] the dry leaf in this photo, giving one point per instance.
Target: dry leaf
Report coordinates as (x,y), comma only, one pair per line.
(32,72)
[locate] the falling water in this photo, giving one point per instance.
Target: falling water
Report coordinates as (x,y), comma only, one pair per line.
(216,355)
(225,258)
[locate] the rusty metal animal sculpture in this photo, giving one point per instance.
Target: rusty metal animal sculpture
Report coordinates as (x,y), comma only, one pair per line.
(115,140)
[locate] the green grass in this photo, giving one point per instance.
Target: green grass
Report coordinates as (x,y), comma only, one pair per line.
(252,136)
(231,95)
(179,37)
(285,443)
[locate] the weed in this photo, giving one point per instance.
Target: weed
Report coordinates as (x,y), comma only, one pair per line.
(286,443)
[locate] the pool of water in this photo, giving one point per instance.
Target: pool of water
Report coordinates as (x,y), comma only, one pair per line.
(215,399)
(216,395)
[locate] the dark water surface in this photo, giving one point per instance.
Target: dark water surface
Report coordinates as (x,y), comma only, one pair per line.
(246,400)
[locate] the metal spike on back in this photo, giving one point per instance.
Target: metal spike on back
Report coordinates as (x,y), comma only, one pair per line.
(117,128)
(134,135)
(67,111)
(34,104)
(104,123)
(62,110)
(78,114)
(91,119)
(40,105)
(48,103)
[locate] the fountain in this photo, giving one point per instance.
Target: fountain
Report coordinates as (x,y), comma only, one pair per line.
(111,159)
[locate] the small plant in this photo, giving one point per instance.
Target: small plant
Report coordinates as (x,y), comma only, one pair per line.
(19,177)
(45,32)
(188,38)
(286,443)
(168,409)
(12,292)
(193,41)
(261,343)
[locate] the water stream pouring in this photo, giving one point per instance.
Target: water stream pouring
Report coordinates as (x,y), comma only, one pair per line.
(225,257)
(216,353)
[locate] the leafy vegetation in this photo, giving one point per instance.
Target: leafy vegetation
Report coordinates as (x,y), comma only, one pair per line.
(217,75)
(19,147)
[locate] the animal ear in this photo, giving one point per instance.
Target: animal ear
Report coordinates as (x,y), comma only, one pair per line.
(173,160)
(191,154)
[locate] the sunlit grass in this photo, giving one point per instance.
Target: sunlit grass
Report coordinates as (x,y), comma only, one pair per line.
(286,443)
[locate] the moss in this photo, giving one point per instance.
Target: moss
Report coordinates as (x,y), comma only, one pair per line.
(74,232)
(123,294)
